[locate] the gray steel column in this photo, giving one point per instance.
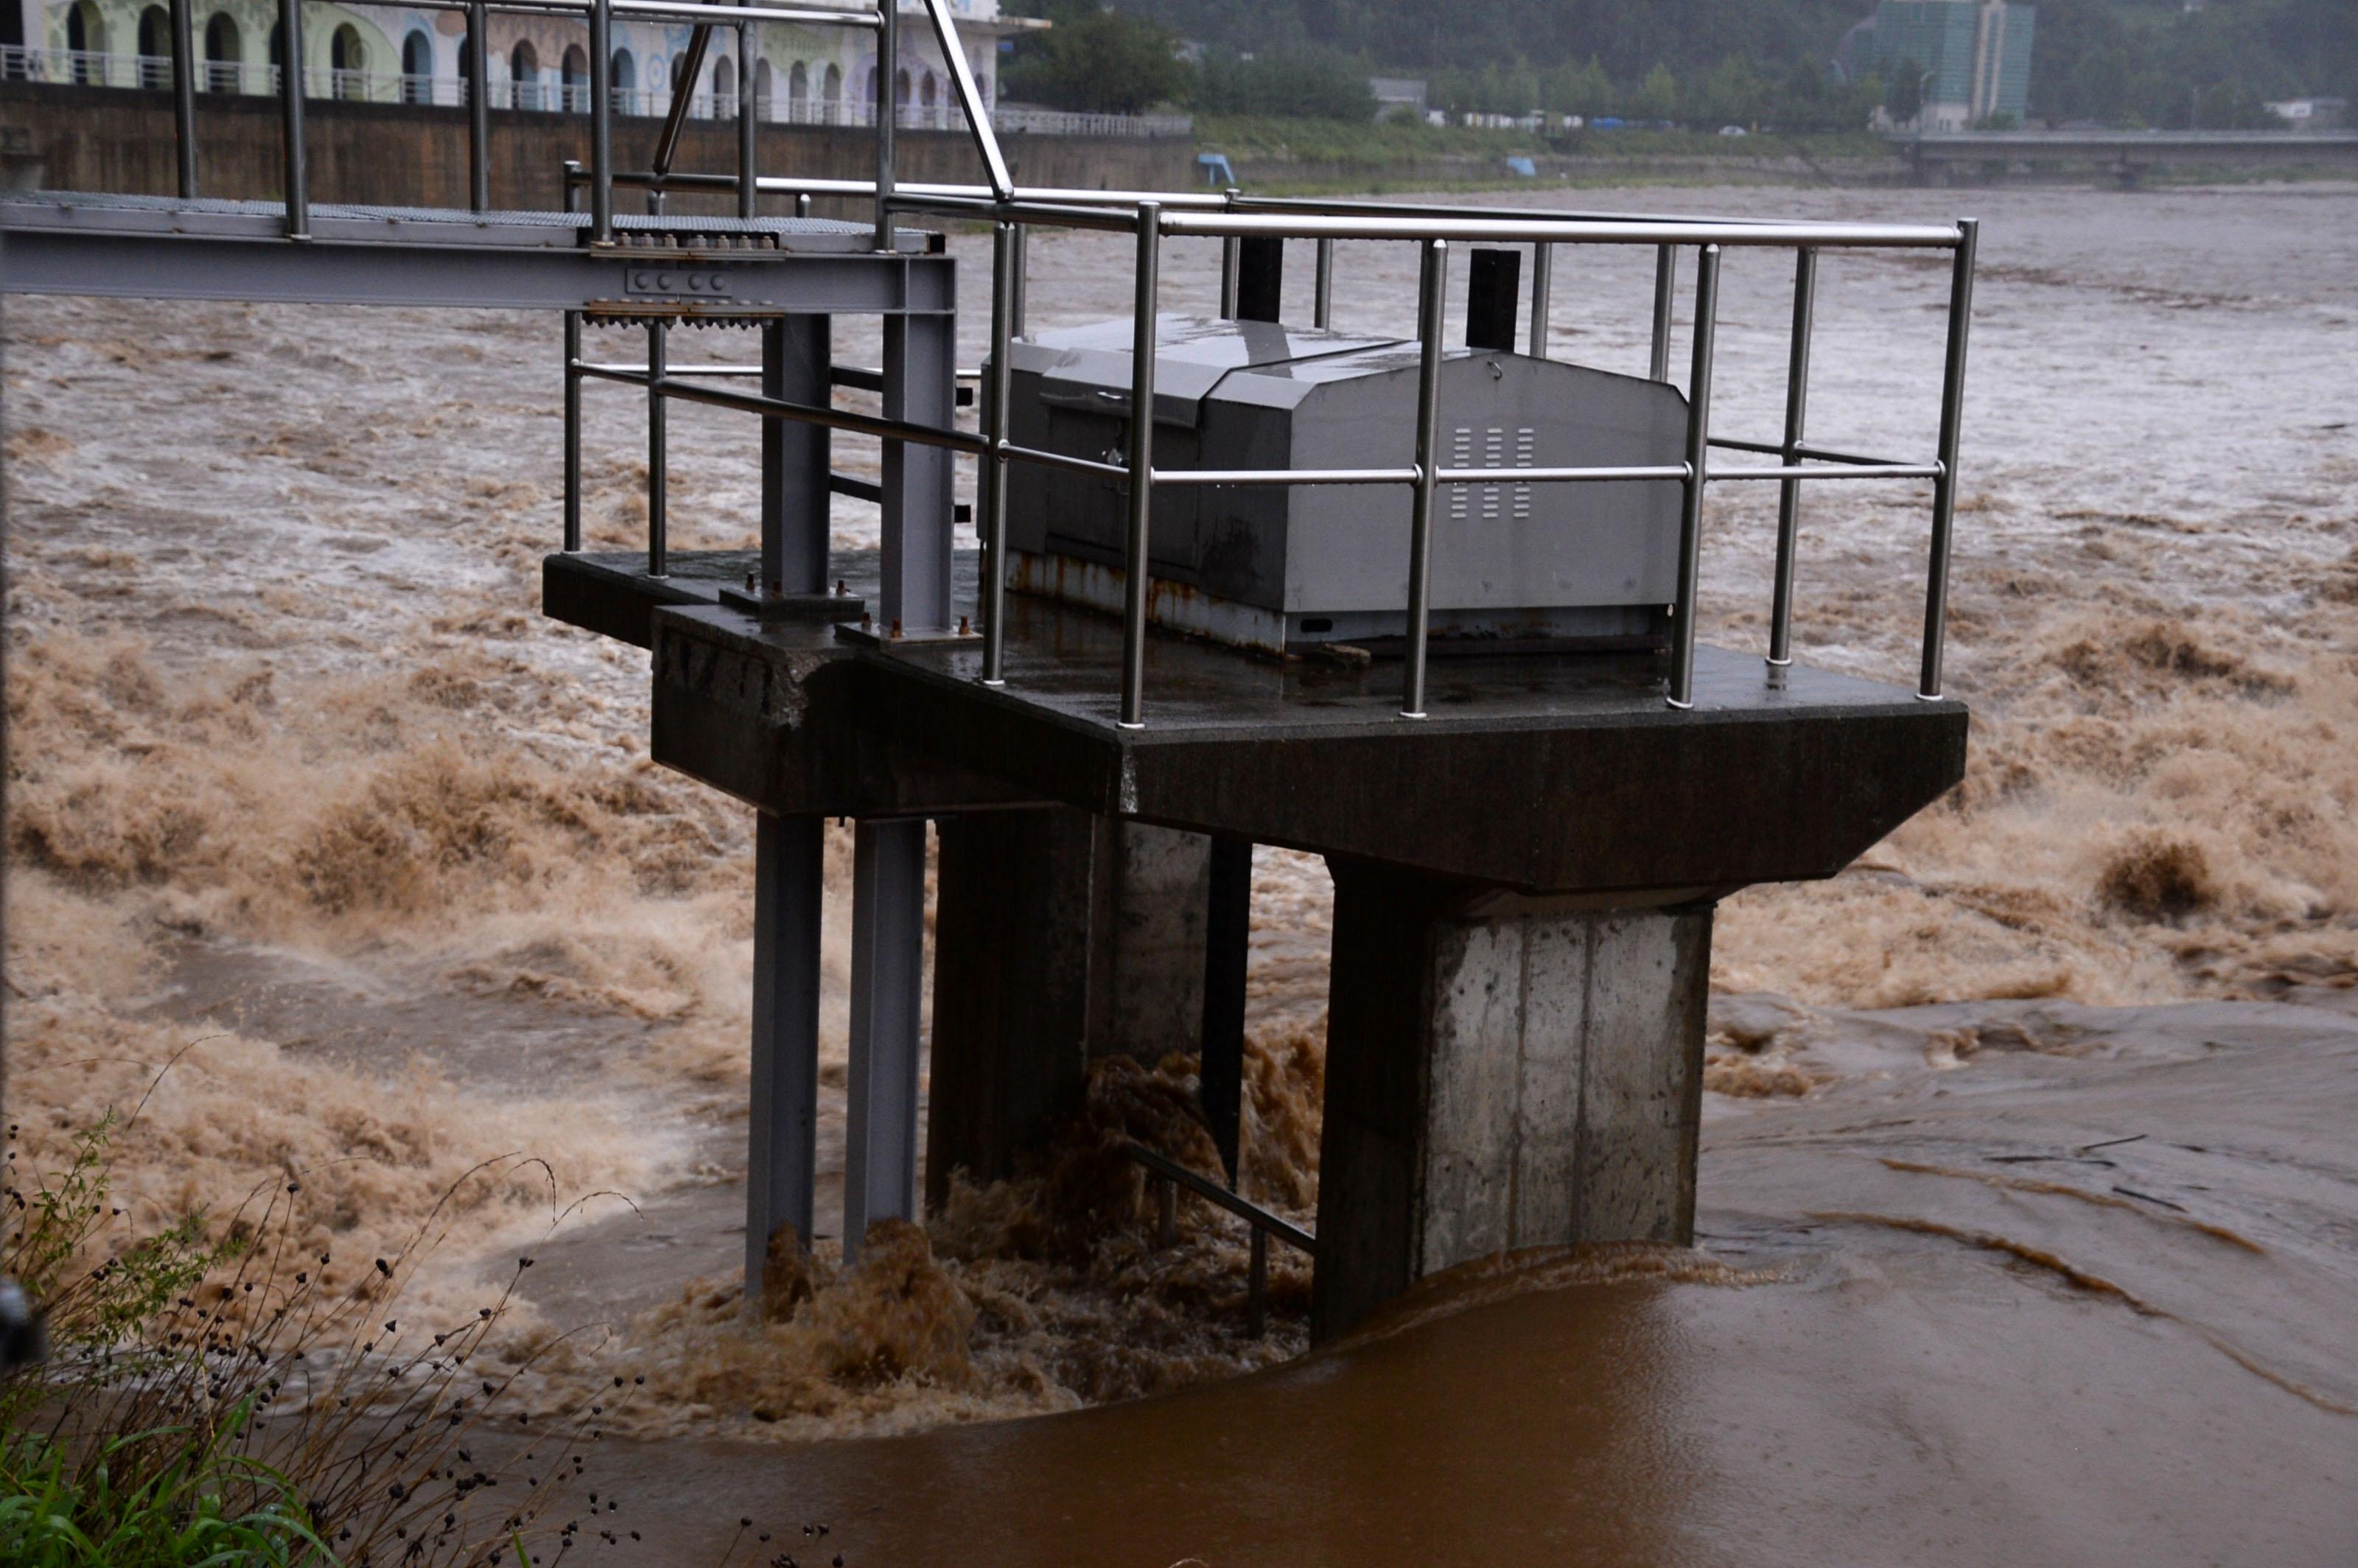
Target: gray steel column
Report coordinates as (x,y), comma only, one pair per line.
(1945,489)
(1706,329)
(997,381)
(601,123)
(1789,498)
(479,107)
(781,1137)
(796,458)
(1542,292)
(572,425)
(184,94)
(888,938)
(888,60)
(1136,558)
(658,473)
(921,386)
(1322,308)
(1666,282)
(1431,301)
(749,38)
(290,118)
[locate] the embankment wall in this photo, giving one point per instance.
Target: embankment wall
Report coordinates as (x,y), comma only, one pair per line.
(116,139)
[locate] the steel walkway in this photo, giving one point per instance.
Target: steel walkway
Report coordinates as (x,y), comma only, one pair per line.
(676,267)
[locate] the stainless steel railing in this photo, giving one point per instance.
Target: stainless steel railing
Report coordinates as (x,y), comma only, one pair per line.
(1230,217)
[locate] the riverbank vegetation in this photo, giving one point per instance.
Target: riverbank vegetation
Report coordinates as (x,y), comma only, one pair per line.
(1755,63)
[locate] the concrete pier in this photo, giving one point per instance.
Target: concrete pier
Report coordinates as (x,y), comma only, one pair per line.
(1502,1071)
(1060,936)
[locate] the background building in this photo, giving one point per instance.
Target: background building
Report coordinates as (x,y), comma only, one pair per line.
(392,53)
(1975,56)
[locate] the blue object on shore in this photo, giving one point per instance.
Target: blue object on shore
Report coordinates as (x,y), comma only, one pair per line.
(1523,166)
(1217,172)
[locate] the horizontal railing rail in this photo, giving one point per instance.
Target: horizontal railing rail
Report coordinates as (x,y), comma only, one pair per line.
(1169,1176)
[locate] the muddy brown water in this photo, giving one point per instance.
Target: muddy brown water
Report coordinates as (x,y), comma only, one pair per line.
(2029,1198)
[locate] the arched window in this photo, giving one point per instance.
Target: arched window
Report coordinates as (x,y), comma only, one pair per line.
(623,77)
(417,68)
(831,94)
(901,96)
(573,71)
(797,91)
(348,62)
(523,75)
(223,51)
(929,96)
(724,88)
(765,105)
(85,42)
(872,99)
(155,47)
(278,59)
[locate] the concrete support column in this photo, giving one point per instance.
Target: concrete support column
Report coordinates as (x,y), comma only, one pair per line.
(781,1137)
(1501,1072)
(1058,937)
(888,944)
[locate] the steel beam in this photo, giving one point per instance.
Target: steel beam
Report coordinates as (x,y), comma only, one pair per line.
(921,387)
(166,266)
(888,939)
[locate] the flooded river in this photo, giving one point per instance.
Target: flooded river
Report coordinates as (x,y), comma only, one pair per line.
(2029,1201)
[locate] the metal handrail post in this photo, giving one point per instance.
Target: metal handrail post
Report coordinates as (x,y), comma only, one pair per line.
(1666,284)
(1432,299)
(1142,464)
(996,388)
(479,106)
(290,110)
(1022,280)
(184,94)
(749,38)
(601,123)
(1944,487)
(1232,249)
(1706,329)
(1543,295)
(802,204)
(1322,308)
(572,431)
(1789,497)
(888,63)
(658,476)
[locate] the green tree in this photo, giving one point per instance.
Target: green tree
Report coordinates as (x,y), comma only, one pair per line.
(1293,83)
(1657,97)
(1101,62)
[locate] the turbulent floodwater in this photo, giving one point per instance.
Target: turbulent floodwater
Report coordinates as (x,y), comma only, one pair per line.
(313,815)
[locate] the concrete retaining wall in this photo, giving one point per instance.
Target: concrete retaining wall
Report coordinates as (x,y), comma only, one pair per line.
(85,139)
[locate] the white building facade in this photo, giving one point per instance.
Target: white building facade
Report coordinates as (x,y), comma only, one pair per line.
(393,53)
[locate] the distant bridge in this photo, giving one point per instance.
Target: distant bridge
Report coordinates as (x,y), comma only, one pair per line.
(1942,157)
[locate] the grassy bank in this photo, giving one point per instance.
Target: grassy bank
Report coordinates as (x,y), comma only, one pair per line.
(1312,157)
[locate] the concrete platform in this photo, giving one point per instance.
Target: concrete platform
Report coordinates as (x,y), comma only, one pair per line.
(1538,772)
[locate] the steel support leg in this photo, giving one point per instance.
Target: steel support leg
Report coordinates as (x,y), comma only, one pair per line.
(794,458)
(781,1139)
(921,385)
(887,940)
